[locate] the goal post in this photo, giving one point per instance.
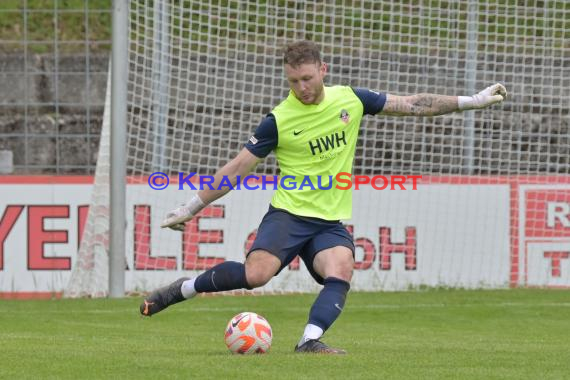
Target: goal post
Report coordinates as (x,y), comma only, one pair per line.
(117,188)
(492,208)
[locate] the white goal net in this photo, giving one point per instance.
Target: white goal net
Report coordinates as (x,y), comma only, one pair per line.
(492,208)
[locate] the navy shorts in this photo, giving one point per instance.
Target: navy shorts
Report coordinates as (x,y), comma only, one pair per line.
(287,236)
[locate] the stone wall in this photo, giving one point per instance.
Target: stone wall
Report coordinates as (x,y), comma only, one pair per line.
(51,122)
(51,112)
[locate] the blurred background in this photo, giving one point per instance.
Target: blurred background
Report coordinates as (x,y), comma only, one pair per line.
(201,75)
(54,58)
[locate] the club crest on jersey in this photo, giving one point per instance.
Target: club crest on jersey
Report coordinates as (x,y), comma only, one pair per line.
(344,116)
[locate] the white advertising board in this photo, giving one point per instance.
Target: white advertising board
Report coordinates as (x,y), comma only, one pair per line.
(438,235)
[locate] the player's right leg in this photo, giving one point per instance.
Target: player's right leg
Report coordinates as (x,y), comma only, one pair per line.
(260,266)
(162,298)
(279,238)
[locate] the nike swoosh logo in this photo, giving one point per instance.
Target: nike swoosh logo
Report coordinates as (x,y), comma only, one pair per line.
(234,324)
(298,132)
(146,305)
(338,306)
(213,283)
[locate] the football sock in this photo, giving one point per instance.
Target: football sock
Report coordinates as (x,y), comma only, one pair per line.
(311,332)
(228,275)
(327,307)
(187,288)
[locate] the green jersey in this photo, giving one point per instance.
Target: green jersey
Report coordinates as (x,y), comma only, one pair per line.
(316,143)
(313,144)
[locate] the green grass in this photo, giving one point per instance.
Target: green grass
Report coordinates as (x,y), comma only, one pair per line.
(71,23)
(435,334)
(513,24)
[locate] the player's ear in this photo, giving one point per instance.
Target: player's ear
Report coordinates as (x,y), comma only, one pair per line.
(324,69)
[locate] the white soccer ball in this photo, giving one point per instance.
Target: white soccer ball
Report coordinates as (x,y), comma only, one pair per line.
(248,333)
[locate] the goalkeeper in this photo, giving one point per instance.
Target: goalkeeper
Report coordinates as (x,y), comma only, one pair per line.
(313,132)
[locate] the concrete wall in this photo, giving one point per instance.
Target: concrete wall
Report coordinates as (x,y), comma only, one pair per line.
(51,112)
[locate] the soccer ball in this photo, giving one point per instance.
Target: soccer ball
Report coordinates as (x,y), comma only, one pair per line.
(248,333)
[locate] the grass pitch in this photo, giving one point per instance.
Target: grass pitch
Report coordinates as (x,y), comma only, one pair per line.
(434,334)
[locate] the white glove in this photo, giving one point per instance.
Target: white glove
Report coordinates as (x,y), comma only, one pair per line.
(176,218)
(491,95)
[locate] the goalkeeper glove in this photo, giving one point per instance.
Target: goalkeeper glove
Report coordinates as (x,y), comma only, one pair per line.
(491,95)
(176,218)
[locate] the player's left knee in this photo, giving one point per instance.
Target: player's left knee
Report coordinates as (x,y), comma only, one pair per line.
(342,268)
(346,271)
(336,262)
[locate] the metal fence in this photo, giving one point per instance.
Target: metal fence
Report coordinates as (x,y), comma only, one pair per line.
(54,58)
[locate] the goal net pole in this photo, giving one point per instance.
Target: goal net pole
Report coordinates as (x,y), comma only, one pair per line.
(119,67)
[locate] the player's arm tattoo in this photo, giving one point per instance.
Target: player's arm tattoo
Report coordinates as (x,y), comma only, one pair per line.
(420,105)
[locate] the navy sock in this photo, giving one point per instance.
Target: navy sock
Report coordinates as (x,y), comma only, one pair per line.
(228,275)
(329,303)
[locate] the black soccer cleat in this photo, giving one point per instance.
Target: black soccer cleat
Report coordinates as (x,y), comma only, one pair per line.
(161,298)
(315,346)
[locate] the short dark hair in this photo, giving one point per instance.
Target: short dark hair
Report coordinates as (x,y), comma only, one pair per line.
(300,52)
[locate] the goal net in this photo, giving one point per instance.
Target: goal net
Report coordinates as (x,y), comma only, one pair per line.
(492,208)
